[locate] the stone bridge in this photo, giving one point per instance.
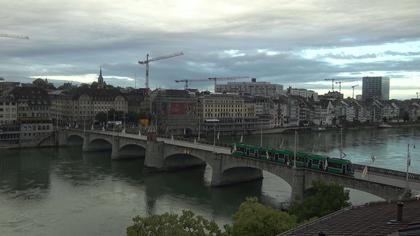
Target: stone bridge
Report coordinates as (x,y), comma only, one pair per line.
(165,154)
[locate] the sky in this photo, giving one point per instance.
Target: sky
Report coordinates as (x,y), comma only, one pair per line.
(294,43)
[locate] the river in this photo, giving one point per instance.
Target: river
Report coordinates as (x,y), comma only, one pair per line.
(63,191)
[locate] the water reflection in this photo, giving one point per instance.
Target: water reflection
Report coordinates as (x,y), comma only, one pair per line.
(50,191)
(24,176)
(389,146)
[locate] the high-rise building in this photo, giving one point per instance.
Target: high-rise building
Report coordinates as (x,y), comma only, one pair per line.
(375,87)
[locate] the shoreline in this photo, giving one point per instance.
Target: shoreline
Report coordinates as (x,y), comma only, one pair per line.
(280,130)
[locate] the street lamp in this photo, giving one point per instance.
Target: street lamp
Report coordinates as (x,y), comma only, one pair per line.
(214,121)
(294,156)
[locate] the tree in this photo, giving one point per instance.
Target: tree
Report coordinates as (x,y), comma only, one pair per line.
(253,218)
(187,224)
(133,117)
(321,200)
(101,116)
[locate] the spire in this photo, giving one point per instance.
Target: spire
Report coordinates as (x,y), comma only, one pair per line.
(100,78)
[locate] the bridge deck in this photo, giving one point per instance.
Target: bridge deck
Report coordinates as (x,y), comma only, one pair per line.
(375,174)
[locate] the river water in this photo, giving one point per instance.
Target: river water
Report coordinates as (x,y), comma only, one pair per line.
(63,191)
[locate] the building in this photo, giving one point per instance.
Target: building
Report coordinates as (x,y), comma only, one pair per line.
(29,122)
(305,93)
(232,113)
(33,104)
(8,111)
(253,88)
(375,87)
(6,87)
(381,218)
(174,112)
(139,101)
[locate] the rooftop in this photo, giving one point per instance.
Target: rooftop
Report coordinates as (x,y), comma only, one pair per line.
(370,219)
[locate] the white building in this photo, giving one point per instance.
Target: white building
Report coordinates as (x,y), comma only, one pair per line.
(305,93)
(8,111)
(253,88)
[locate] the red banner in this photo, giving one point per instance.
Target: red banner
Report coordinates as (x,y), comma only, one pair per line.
(178,108)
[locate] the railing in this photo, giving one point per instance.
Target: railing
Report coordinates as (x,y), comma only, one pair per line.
(387,171)
(355,166)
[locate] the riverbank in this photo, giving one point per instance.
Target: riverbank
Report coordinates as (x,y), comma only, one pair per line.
(279,130)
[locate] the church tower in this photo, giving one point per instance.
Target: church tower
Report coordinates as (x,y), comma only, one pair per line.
(101,83)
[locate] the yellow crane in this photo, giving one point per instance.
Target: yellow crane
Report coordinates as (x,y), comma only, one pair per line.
(14,36)
(148,60)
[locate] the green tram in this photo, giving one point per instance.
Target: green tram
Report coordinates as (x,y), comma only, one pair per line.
(286,158)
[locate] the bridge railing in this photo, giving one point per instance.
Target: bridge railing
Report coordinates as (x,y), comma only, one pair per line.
(387,171)
(193,139)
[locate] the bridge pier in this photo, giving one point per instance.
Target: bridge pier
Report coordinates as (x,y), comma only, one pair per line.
(85,146)
(154,157)
(167,154)
(115,154)
(298,184)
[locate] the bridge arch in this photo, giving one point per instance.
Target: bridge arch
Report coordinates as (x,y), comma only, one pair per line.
(131,150)
(183,160)
(239,174)
(383,191)
(74,139)
(98,144)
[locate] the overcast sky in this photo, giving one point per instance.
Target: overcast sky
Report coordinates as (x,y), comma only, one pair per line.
(294,43)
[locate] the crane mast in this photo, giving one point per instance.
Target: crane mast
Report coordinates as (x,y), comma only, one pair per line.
(339,85)
(354,86)
(148,60)
(13,36)
(332,83)
(188,81)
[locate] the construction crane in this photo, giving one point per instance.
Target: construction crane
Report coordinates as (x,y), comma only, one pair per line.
(187,81)
(148,60)
(339,86)
(13,36)
(215,79)
(332,83)
(354,86)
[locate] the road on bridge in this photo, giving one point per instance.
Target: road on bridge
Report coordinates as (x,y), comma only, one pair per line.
(373,176)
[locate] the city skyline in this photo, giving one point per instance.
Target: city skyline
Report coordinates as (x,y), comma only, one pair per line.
(294,44)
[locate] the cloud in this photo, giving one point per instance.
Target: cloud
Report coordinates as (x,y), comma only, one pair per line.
(288,42)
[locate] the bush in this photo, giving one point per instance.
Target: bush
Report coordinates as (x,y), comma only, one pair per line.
(321,200)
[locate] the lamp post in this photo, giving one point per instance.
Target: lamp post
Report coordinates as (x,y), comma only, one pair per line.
(214,121)
(199,127)
(294,155)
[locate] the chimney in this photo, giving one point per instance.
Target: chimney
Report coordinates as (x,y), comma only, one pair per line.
(400,206)
(253,80)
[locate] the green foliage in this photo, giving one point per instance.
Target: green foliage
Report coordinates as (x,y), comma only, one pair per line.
(253,218)
(322,199)
(101,116)
(133,117)
(172,224)
(115,115)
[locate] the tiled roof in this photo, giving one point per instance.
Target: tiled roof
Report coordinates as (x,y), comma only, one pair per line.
(370,219)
